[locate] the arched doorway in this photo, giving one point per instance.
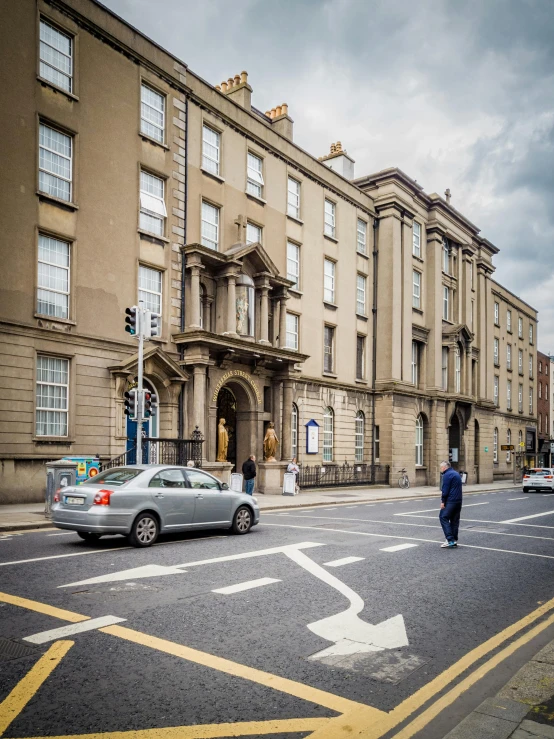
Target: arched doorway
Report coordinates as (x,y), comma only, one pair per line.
(227,409)
(476,442)
(455,442)
(237,405)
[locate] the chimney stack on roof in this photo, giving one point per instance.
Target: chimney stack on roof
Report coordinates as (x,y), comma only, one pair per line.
(339,161)
(238,89)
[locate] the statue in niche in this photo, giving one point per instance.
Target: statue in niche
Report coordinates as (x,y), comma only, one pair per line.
(242,314)
(270,443)
(222,441)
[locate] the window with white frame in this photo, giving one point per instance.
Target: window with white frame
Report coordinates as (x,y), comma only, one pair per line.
(540,368)
(540,423)
(329,226)
(361,282)
(293,198)
(520,399)
(540,390)
(520,361)
(150,288)
(419,441)
(495,445)
(360,357)
(328,348)
(329,281)
(496,314)
(294,430)
(445,257)
(416,289)
(359,437)
(509,395)
(496,352)
(415,363)
(328,434)
(531,366)
(210,225)
(376,445)
(55,162)
(56,56)
(211,150)
(445,303)
(508,442)
(509,321)
(52,390)
(530,401)
(416,239)
(496,390)
(361,244)
(530,333)
(152,204)
(253,233)
(458,370)
(445,368)
(254,175)
(53,277)
(520,327)
(509,356)
(292,331)
(293,263)
(152,113)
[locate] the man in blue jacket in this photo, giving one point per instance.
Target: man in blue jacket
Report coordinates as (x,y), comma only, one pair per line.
(451,505)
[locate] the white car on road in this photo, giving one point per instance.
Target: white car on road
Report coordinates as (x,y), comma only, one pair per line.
(538,478)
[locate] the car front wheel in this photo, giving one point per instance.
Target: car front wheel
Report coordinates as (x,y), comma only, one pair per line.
(144,531)
(242,521)
(89,536)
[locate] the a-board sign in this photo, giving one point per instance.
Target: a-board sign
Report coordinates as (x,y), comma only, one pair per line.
(236,482)
(289,483)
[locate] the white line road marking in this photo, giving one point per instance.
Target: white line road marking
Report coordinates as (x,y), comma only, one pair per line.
(548,495)
(428,541)
(520,498)
(90,625)
(525,518)
(343,561)
(398,547)
(427,510)
(65,533)
(61,556)
(246,586)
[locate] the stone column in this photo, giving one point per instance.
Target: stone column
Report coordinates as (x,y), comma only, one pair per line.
(199,399)
(283,321)
(208,313)
(231,306)
(276,407)
(195,296)
(264,315)
(286,441)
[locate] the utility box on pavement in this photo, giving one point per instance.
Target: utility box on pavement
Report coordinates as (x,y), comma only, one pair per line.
(88,465)
(59,474)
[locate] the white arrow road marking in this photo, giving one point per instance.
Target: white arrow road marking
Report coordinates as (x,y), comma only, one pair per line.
(398,548)
(90,625)
(525,518)
(347,626)
(239,587)
(343,561)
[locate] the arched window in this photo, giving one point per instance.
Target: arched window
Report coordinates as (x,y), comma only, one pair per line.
(359,437)
(294,430)
(508,441)
(495,446)
(458,371)
(328,432)
(419,441)
(520,441)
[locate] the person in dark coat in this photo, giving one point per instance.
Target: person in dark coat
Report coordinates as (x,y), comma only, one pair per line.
(451,505)
(249,472)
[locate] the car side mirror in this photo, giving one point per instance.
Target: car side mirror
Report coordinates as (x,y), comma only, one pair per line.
(224,486)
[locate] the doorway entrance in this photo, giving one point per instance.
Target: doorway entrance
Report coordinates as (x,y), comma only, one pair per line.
(227,409)
(455,443)
(150,428)
(476,451)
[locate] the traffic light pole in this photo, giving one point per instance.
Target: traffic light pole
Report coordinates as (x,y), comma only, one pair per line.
(140,327)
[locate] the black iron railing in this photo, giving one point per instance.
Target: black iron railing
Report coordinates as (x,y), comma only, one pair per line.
(163,451)
(331,475)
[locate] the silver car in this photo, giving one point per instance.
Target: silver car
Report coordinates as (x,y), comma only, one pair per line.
(141,501)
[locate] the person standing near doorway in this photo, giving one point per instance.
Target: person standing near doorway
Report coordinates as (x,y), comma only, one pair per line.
(451,505)
(249,472)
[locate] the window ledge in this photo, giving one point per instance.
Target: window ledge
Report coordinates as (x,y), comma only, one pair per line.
(509,369)
(497,324)
(152,236)
(295,293)
(330,238)
(150,140)
(359,381)
(508,331)
(361,317)
(55,319)
(52,440)
(421,467)
(418,259)
(329,374)
(255,198)
(69,95)
(295,219)
(361,254)
(57,201)
(212,175)
(331,306)
(417,310)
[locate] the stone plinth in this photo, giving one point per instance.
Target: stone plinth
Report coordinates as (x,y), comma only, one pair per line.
(221,470)
(270,477)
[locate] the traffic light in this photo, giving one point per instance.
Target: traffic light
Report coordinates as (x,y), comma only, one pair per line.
(150,404)
(152,324)
(131,404)
(131,320)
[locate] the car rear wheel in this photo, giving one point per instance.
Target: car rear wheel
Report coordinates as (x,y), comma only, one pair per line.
(144,531)
(525,490)
(89,536)
(242,521)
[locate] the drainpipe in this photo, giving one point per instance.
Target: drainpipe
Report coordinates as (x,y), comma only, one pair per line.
(181,416)
(374,339)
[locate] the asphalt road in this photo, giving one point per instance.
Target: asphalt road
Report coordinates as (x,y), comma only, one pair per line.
(356,606)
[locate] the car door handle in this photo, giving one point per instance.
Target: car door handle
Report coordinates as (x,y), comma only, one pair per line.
(200,496)
(159,495)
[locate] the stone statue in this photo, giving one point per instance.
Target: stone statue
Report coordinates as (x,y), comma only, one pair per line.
(270,443)
(242,315)
(222,441)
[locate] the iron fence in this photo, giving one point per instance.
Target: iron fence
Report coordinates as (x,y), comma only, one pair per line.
(163,451)
(330,476)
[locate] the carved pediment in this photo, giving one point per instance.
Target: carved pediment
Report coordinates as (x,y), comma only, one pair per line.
(459,333)
(256,255)
(156,364)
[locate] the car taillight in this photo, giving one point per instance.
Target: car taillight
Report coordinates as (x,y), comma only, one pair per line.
(548,477)
(102,497)
(525,477)
(57,496)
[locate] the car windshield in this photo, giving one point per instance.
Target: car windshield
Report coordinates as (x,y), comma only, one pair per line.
(539,472)
(117,476)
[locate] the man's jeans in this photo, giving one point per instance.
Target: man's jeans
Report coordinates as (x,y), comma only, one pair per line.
(249,486)
(449,518)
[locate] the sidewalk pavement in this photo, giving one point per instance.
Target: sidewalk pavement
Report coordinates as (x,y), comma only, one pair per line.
(21,517)
(523,709)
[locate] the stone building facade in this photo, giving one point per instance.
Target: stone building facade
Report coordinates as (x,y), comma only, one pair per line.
(290,292)
(543,410)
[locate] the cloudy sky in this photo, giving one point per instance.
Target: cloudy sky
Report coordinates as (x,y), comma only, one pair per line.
(457,94)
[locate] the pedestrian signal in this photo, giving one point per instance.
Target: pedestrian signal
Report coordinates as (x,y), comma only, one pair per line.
(131,404)
(153,325)
(131,320)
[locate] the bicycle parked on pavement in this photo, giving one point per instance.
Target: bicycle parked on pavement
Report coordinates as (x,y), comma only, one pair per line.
(403,481)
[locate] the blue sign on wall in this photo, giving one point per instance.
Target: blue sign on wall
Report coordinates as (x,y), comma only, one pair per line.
(312,437)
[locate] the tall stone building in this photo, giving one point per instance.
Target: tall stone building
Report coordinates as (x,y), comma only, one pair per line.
(543,410)
(290,292)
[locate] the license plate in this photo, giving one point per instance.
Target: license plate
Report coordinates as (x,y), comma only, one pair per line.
(74,501)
